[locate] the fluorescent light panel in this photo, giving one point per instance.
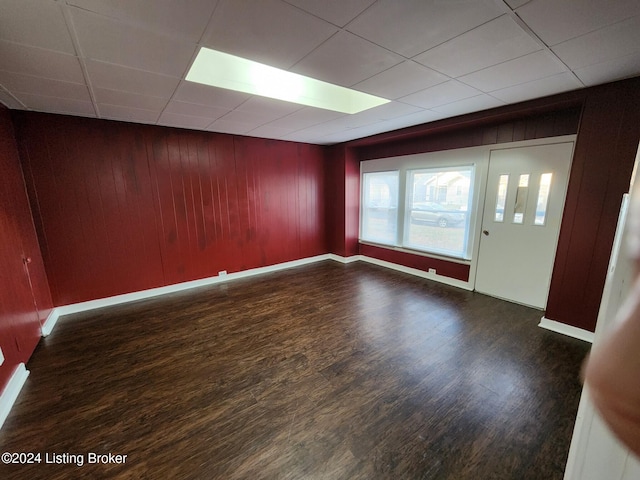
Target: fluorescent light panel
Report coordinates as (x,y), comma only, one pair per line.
(222,70)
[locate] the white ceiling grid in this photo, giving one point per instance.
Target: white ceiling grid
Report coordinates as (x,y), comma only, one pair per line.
(126,60)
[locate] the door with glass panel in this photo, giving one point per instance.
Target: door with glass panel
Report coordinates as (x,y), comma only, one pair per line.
(523,208)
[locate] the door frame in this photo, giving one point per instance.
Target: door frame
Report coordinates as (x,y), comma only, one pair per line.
(473,266)
(548,236)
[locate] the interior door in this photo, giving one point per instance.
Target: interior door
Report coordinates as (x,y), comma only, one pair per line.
(526,188)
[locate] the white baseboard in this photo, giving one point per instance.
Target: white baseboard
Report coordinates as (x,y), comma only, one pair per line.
(178,287)
(351,259)
(565,329)
(11,391)
(50,322)
(417,272)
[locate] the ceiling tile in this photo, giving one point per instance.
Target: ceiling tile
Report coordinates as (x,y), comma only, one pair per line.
(249,119)
(616,40)
(183,121)
(405,78)
(350,121)
(41,103)
(561,82)
(268,31)
(338,12)
(516,3)
(269,107)
(468,105)
(16,82)
(40,62)
(440,94)
(191,92)
(223,125)
(615,69)
(38,23)
(127,99)
(494,42)
(9,101)
(186,18)
(520,70)
(410,27)
(270,131)
(116,77)
(555,21)
(127,114)
(346,59)
(413,119)
(305,118)
(388,111)
(114,42)
(195,110)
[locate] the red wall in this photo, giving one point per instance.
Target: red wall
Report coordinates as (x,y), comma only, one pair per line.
(342,200)
(23,305)
(122,207)
(602,164)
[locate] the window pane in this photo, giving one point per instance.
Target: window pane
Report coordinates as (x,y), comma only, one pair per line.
(521,198)
(543,198)
(437,205)
(501,197)
(380,207)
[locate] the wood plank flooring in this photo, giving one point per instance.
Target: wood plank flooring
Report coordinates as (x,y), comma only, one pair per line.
(326,371)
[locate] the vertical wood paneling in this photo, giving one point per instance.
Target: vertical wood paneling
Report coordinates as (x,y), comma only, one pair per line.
(335,199)
(433,138)
(25,300)
(603,160)
(125,207)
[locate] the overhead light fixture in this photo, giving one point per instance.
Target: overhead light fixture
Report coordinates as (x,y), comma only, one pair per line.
(222,70)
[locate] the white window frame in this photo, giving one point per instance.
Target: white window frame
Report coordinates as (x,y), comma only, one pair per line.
(476,157)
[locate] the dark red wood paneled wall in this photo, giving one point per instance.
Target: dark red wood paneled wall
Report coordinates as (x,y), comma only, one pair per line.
(453,270)
(335,210)
(342,200)
(122,207)
(603,161)
(527,127)
(25,300)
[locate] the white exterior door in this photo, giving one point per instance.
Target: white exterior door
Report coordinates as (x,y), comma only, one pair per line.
(523,208)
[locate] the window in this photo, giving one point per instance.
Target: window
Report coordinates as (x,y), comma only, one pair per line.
(501,198)
(521,199)
(379,222)
(440,223)
(543,198)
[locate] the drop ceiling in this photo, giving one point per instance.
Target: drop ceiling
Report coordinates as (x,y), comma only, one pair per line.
(127,60)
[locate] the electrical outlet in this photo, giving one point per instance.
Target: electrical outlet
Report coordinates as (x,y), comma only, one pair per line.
(1,357)
(432,271)
(222,273)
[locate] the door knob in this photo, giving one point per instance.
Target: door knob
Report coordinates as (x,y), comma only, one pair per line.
(486,232)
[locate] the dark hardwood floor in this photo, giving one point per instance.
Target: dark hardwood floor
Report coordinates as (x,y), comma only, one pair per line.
(326,371)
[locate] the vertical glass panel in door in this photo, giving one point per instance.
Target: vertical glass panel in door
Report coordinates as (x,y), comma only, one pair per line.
(521,198)
(501,197)
(543,198)
(379,223)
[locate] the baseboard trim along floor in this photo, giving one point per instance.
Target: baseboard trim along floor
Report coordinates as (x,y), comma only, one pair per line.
(11,391)
(48,326)
(565,329)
